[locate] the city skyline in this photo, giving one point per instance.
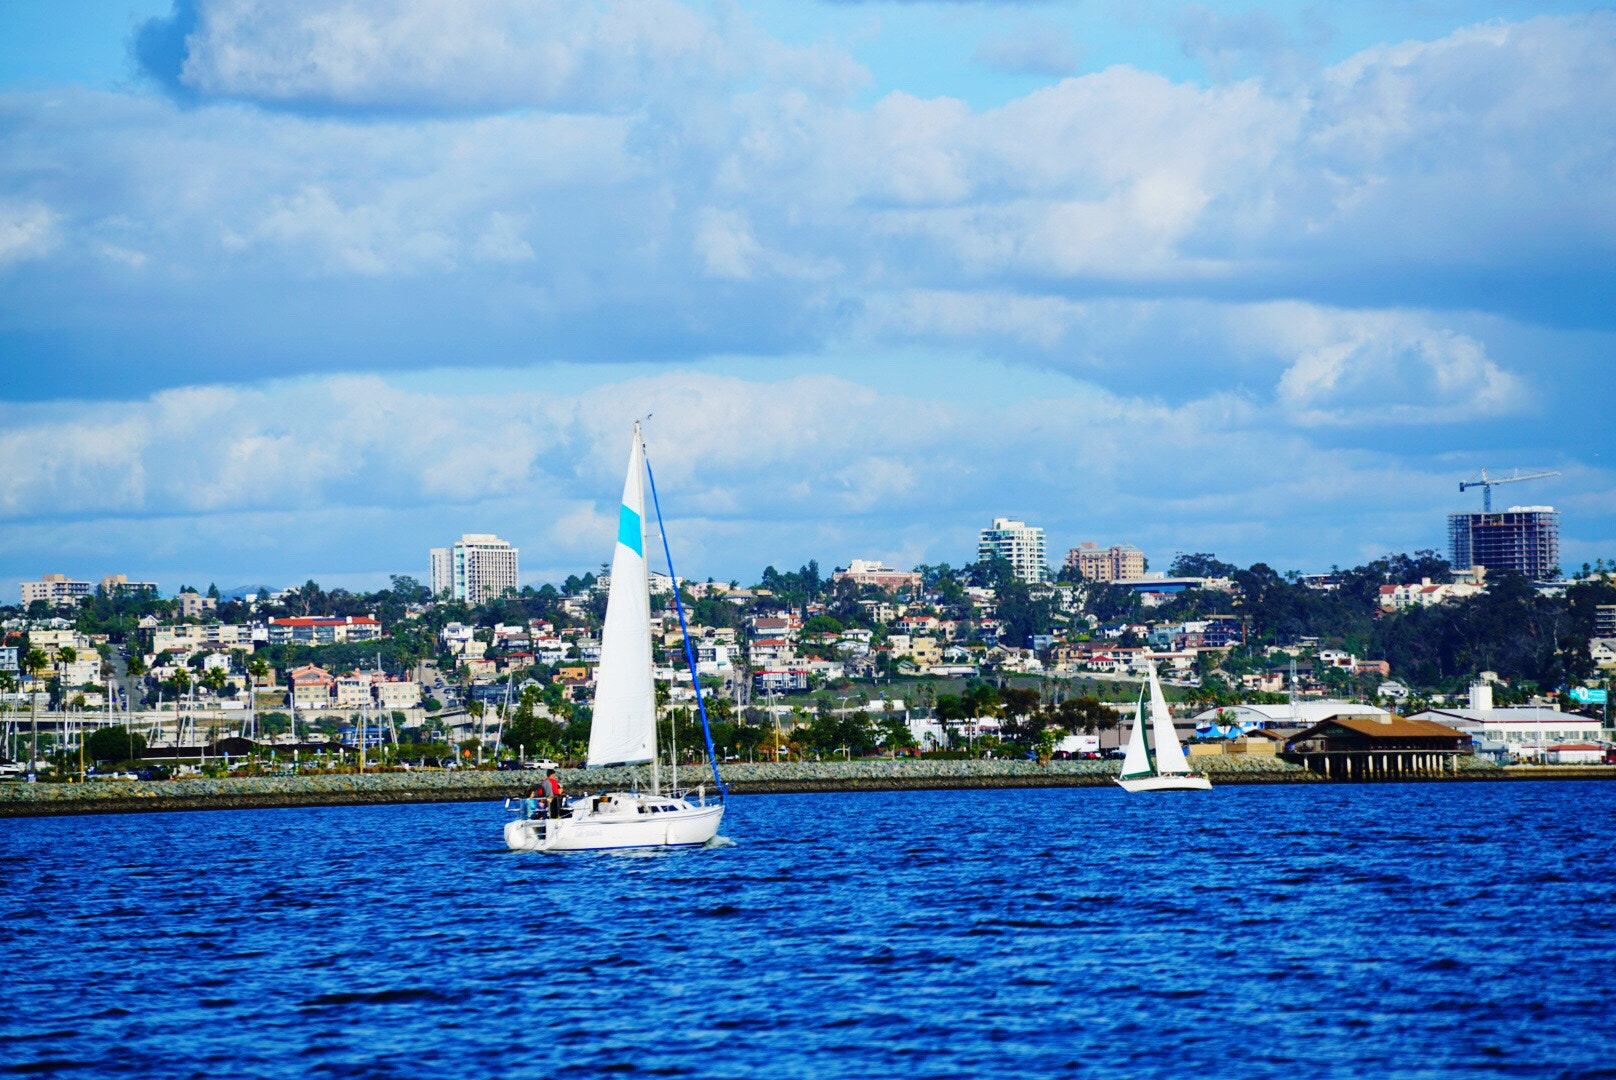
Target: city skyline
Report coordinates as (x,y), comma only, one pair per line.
(1191,279)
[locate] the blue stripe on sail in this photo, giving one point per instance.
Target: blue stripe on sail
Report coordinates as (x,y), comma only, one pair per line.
(629,533)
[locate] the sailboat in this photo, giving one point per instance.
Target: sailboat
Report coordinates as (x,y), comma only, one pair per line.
(624,728)
(1168,770)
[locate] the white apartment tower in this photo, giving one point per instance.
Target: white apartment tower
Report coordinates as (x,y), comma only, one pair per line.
(478,567)
(1021,544)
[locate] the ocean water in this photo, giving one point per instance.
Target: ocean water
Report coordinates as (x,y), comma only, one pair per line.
(1416,930)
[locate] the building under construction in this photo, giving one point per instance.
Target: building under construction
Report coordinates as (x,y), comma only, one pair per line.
(1525,539)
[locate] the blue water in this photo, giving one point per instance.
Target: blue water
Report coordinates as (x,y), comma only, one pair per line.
(1366,931)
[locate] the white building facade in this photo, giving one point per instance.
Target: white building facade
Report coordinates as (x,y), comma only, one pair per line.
(1019,543)
(479,567)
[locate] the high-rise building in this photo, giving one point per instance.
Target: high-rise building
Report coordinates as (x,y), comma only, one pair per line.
(1119,562)
(1021,544)
(1525,539)
(478,567)
(56,589)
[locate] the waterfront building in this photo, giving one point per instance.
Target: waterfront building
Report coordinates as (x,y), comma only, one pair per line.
(863,572)
(83,669)
(477,568)
(779,682)
(185,637)
(397,693)
(1114,563)
(1605,621)
(1017,542)
(1157,583)
(1295,714)
(114,584)
(54,589)
(1525,539)
(323,630)
(1358,747)
(193,605)
(311,687)
(1523,732)
(1428,593)
(760,627)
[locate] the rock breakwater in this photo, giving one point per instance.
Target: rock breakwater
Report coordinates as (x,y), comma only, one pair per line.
(347,789)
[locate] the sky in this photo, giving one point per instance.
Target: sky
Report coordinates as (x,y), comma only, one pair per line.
(301,290)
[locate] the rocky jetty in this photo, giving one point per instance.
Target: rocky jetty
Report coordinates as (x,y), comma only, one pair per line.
(346,789)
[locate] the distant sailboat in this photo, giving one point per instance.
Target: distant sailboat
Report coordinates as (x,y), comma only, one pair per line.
(623,731)
(1168,769)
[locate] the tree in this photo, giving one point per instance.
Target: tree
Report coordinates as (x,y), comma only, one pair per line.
(1201,564)
(33,662)
(1021,711)
(1084,714)
(895,735)
(115,744)
(994,573)
(822,624)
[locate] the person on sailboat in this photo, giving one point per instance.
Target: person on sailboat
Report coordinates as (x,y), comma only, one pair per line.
(553,782)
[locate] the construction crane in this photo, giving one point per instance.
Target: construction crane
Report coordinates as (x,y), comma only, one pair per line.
(1487,483)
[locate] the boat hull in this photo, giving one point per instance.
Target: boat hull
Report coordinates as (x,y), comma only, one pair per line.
(1166,783)
(690,827)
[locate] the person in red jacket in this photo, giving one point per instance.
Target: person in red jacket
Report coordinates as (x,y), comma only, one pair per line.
(552,784)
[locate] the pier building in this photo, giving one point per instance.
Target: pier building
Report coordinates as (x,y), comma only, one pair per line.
(1377,747)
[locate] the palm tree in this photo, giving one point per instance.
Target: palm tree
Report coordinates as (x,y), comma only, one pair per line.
(257,668)
(8,684)
(214,680)
(33,662)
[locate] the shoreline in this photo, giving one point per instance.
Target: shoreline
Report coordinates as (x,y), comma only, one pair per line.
(374,789)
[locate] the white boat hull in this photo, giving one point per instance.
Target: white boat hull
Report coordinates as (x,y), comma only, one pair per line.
(1166,783)
(626,822)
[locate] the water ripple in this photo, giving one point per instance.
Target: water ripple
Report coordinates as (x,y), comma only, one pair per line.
(1400,930)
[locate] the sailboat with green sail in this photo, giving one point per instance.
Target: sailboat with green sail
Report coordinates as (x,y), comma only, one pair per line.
(1167,769)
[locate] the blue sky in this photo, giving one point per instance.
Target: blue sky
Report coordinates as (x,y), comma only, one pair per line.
(293,290)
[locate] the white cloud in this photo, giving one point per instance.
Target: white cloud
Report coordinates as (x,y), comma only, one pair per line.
(1386,175)
(750,471)
(473,55)
(1355,367)
(27,231)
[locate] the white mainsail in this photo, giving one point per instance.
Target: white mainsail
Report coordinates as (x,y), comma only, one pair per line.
(1137,762)
(1170,758)
(624,727)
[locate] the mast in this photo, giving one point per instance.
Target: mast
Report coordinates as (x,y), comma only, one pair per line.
(684,626)
(650,669)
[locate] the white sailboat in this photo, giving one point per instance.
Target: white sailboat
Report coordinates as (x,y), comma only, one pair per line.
(1168,769)
(624,728)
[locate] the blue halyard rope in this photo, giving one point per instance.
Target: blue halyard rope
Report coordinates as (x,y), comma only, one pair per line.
(684,628)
